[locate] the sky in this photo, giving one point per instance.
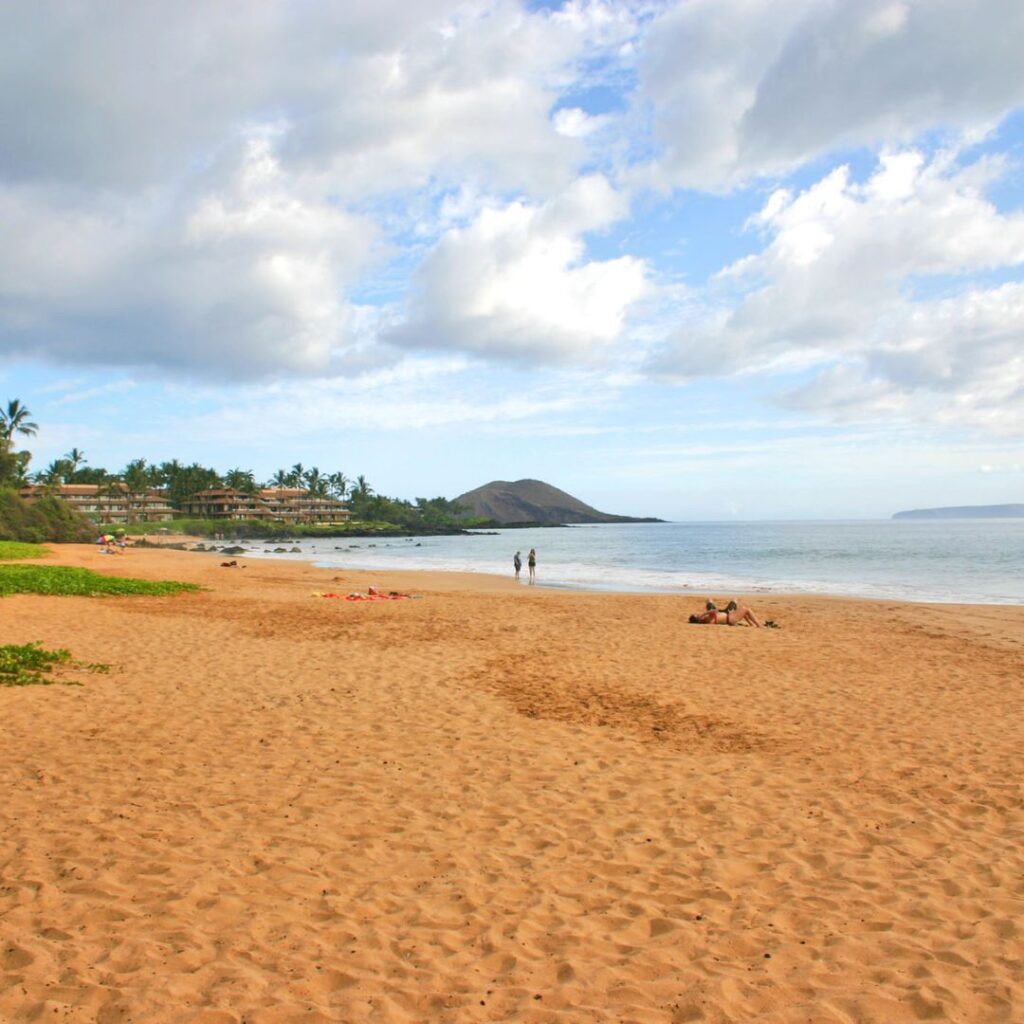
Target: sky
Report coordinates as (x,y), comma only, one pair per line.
(694,259)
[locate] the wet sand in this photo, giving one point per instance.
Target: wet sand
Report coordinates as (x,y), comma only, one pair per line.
(507,803)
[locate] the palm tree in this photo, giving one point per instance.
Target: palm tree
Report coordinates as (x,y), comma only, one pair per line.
(15,420)
(137,478)
(359,498)
(338,484)
(76,457)
(279,479)
(92,475)
(55,473)
(240,480)
(316,482)
(295,475)
(168,472)
(183,482)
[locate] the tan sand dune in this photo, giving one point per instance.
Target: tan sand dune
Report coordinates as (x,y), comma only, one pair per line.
(500,803)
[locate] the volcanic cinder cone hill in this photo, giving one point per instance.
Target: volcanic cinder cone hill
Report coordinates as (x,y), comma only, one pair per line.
(525,502)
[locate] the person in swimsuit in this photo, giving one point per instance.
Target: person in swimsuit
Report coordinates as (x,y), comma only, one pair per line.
(517,564)
(733,615)
(531,564)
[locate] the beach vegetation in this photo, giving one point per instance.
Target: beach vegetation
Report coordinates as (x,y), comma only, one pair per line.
(47,519)
(264,529)
(69,581)
(15,420)
(241,480)
(13,549)
(370,512)
(14,464)
(32,665)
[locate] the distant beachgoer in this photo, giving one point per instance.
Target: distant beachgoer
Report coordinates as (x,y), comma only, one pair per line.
(517,563)
(734,614)
(531,563)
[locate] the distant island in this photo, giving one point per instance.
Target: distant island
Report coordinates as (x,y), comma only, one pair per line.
(534,503)
(965,512)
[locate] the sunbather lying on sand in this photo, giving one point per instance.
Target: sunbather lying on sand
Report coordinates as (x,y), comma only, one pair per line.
(373,595)
(733,615)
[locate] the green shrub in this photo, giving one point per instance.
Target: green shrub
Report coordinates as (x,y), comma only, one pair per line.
(68,581)
(14,518)
(47,519)
(57,521)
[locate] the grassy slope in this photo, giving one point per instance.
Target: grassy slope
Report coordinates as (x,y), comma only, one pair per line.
(65,580)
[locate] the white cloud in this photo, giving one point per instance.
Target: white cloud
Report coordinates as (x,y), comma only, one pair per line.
(418,395)
(89,394)
(742,88)
(205,193)
(318,190)
(576,123)
(244,275)
(516,284)
(375,96)
(876,285)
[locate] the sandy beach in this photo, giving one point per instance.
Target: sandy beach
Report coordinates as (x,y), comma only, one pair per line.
(504,803)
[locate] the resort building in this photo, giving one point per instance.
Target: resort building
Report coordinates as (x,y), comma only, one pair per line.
(107,503)
(273,504)
(297,505)
(114,503)
(223,503)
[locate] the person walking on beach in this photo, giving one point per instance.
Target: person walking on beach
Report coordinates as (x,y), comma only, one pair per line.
(531,562)
(517,563)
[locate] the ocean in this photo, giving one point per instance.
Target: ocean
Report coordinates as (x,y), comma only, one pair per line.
(972,561)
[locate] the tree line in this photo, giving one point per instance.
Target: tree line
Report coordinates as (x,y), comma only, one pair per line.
(180,481)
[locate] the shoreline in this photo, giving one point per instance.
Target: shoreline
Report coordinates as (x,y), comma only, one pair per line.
(506,803)
(698,592)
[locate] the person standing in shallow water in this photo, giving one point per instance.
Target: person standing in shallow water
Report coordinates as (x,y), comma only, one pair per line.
(531,563)
(517,564)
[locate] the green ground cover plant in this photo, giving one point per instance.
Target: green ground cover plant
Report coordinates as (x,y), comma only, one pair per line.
(66,580)
(11,549)
(32,665)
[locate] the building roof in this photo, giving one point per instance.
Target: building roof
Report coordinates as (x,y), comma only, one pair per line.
(86,489)
(93,491)
(222,492)
(283,492)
